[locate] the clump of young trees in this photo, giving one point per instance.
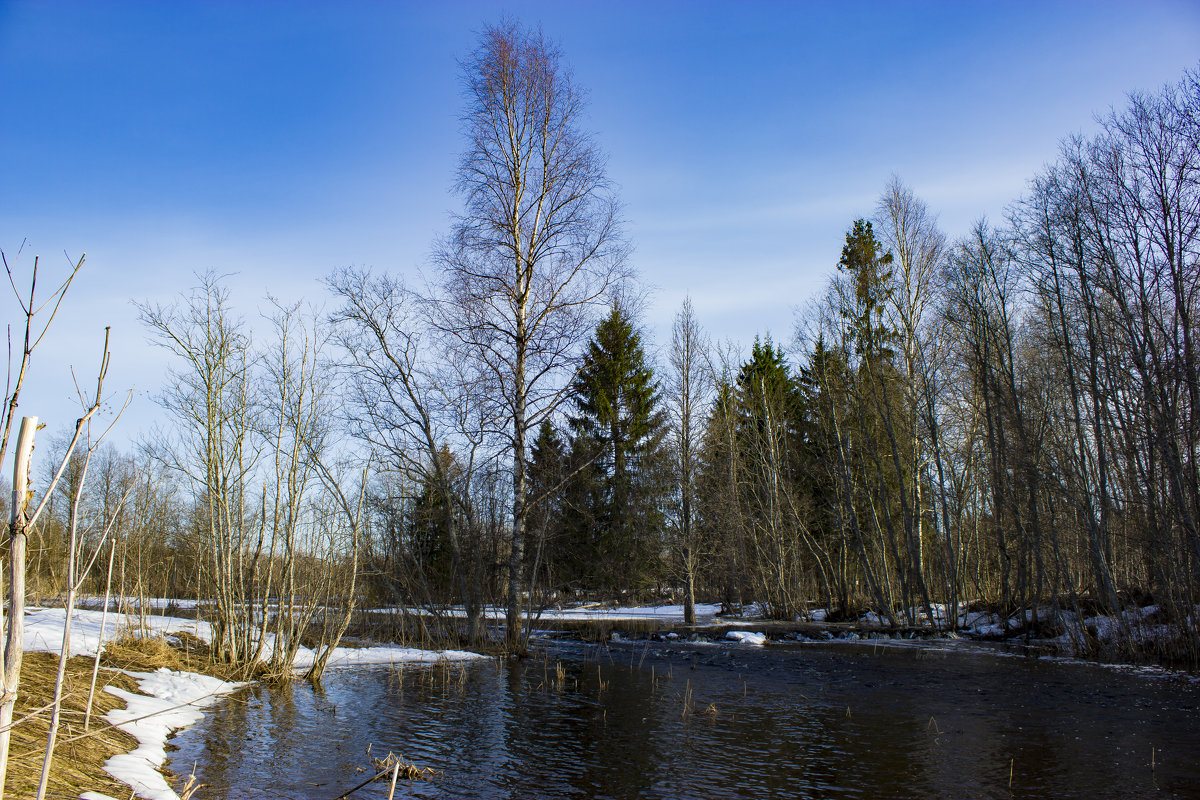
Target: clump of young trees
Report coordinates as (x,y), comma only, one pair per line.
(271,524)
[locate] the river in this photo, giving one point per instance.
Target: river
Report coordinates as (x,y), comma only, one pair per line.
(659,720)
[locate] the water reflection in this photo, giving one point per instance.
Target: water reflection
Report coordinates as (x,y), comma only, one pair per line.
(637,721)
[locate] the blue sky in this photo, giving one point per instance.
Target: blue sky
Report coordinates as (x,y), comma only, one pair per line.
(279,141)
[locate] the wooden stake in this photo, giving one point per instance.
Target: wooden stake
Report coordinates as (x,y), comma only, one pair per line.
(395,777)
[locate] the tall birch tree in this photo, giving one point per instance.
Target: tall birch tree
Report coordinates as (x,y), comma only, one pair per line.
(534,251)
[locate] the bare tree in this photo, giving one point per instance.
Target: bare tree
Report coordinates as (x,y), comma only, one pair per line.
(536,248)
(294,425)
(412,401)
(909,231)
(347,519)
(689,384)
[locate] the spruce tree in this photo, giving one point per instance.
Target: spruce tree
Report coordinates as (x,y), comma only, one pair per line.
(719,507)
(429,536)
(874,472)
(869,270)
(429,543)
(766,388)
(770,408)
(825,381)
(619,425)
(547,559)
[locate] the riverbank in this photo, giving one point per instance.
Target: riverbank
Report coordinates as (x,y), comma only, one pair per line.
(141,695)
(81,752)
(148,687)
(1137,635)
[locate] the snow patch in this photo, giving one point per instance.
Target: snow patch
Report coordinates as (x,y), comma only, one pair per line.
(44,629)
(705,612)
(171,700)
(746,637)
(384,654)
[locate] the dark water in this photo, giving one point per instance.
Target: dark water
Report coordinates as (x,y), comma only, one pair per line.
(707,721)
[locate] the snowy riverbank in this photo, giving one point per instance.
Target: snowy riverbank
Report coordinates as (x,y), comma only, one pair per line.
(1137,633)
(171,699)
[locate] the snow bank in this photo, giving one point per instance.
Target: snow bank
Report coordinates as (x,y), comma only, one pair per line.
(383,654)
(1077,631)
(668,613)
(97,601)
(672,613)
(44,629)
(1131,624)
(746,637)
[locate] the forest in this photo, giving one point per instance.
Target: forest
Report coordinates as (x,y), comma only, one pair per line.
(1008,420)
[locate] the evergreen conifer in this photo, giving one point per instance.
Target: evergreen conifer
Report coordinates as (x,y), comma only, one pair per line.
(618,424)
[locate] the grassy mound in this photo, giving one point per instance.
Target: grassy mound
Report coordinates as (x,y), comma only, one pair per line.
(141,654)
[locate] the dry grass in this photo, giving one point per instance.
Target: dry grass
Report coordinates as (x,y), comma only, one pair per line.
(146,654)
(141,654)
(78,764)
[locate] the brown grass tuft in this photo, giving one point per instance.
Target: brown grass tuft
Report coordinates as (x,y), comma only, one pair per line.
(184,651)
(408,771)
(141,654)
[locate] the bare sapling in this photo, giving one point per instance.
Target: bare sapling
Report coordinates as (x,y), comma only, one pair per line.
(112,552)
(33,335)
(297,408)
(15,639)
(74,581)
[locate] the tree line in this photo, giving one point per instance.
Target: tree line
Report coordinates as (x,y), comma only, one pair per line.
(1009,418)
